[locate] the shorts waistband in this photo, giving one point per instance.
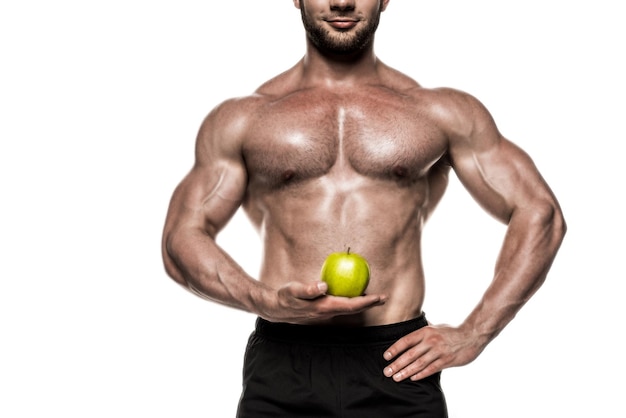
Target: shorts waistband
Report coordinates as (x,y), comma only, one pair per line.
(331,334)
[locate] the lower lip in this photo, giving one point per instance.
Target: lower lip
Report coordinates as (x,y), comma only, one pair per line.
(342,24)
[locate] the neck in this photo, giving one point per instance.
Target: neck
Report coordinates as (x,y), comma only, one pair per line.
(331,69)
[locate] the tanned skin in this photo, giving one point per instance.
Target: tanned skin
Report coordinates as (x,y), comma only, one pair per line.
(343,151)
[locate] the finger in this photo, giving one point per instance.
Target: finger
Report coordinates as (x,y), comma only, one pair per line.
(432,368)
(402,345)
(401,369)
(422,365)
(361,303)
(363,299)
(405,351)
(344,305)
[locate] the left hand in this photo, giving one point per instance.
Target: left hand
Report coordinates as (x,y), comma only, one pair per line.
(429,350)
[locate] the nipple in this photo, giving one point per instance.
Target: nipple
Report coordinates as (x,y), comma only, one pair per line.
(288,175)
(400,171)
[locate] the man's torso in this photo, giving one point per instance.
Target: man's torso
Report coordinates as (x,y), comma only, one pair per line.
(330,169)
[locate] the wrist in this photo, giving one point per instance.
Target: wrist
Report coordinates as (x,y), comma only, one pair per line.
(262,301)
(478,331)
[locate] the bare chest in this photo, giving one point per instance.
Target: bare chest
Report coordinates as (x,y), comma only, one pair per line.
(307,136)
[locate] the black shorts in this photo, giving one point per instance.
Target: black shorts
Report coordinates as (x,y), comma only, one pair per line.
(320,371)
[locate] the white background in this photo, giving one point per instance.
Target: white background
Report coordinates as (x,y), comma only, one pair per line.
(99,106)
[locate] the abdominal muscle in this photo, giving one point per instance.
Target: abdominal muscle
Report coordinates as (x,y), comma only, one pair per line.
(302,224)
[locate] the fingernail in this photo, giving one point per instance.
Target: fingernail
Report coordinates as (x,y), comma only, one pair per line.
(322,287)
(387,355)
(388,372)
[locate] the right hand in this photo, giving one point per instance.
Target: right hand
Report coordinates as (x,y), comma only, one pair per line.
(298,302)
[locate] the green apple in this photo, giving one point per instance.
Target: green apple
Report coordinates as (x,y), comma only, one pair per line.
(347,274)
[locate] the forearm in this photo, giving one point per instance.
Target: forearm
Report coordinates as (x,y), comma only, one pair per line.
(193,259)
(532,240)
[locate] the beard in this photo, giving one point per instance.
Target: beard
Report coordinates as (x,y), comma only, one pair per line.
(341,43)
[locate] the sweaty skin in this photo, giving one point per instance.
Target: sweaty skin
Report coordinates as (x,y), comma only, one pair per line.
(343,151)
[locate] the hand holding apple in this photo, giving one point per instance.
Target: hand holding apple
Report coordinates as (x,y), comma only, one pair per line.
(347,274)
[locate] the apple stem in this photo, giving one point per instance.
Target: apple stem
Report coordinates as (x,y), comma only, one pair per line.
(348,250)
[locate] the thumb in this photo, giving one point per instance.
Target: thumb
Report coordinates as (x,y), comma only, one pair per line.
(312,290)
(322,287)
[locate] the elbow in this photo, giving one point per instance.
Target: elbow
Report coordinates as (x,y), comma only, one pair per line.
(559,226)
(562,229)
(549,217)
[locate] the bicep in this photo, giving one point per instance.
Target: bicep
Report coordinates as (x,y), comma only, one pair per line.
(200,206)
(207,197)
(213,190)
(499,175)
